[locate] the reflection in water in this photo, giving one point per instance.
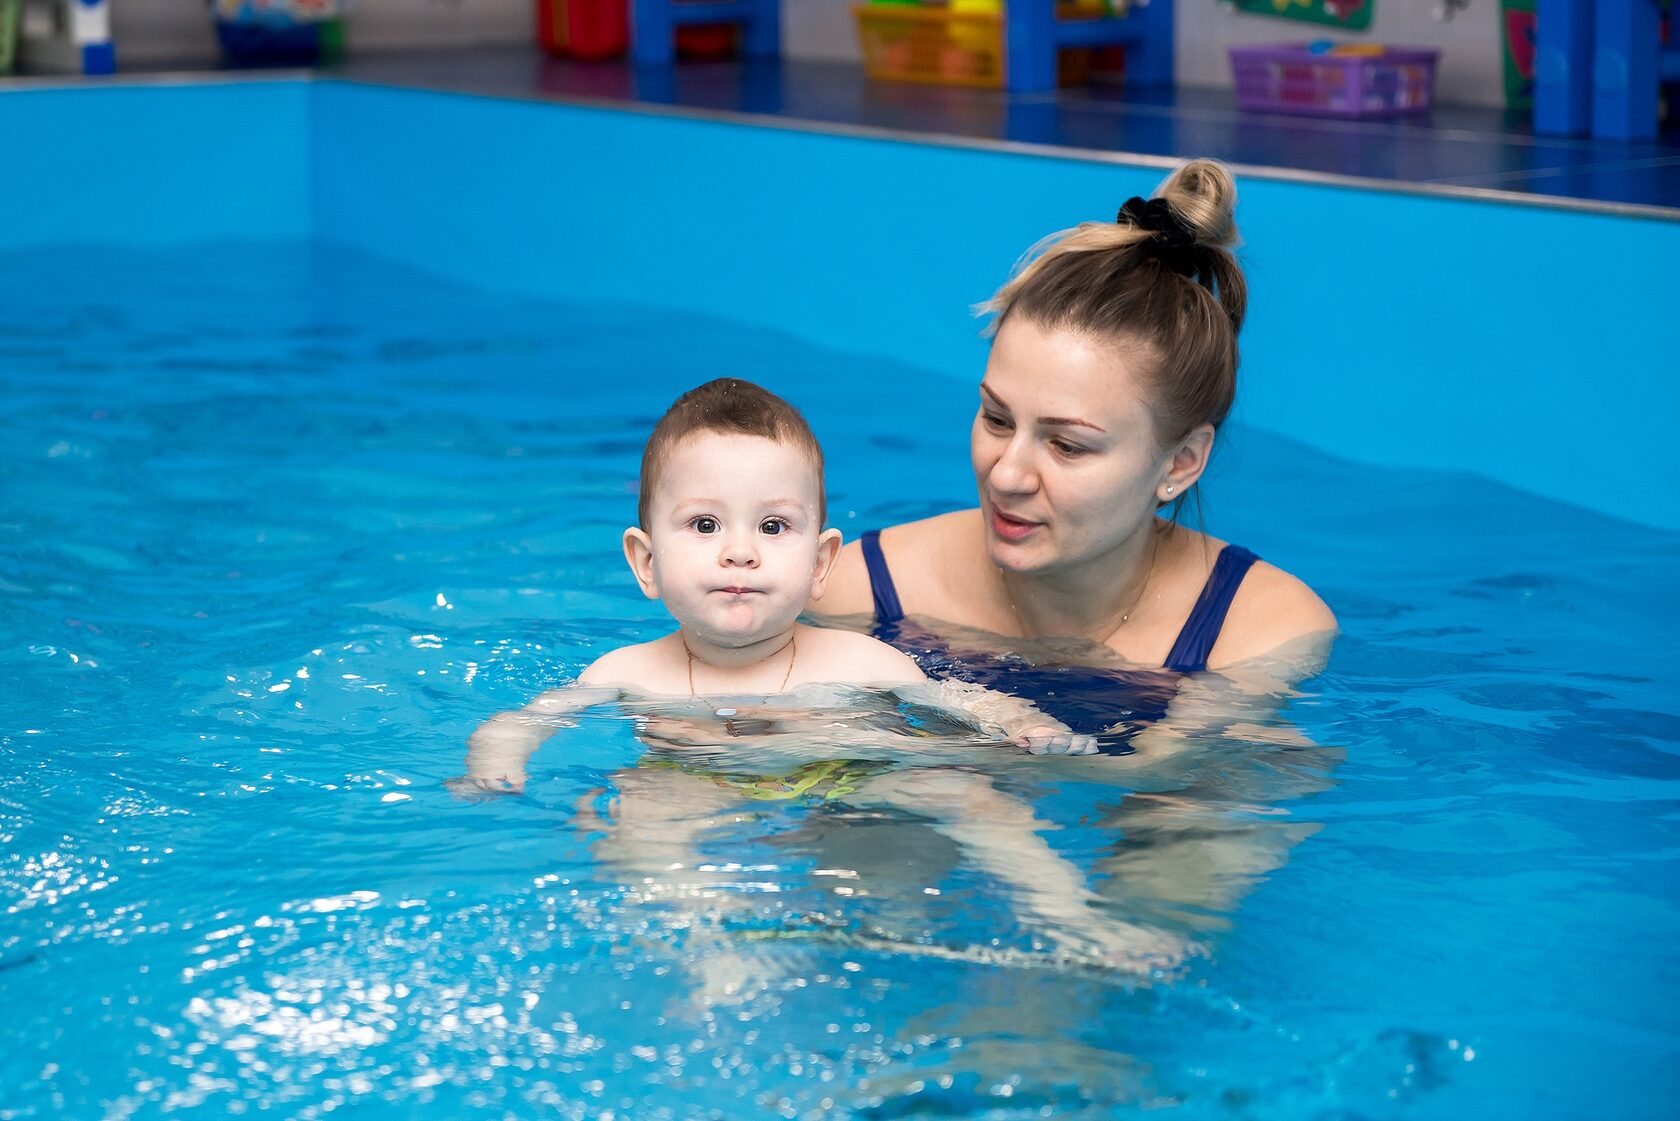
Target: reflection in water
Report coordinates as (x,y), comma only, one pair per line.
(865,830)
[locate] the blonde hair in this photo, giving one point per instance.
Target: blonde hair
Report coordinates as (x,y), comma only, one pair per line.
(732,407)
(1122,282)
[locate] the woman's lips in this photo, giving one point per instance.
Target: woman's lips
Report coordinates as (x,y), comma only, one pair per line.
(1011,529)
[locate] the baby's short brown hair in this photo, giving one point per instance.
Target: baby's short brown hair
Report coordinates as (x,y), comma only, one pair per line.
(728,406)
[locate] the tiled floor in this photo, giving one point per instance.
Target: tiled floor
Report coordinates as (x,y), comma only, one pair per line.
(1456,150)
(1451,150)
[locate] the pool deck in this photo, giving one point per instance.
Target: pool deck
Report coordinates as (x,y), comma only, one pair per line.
(1456,151)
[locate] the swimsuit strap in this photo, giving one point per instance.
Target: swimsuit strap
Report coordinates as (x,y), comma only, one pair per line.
(887,607)
(1189,653)
(1201,630)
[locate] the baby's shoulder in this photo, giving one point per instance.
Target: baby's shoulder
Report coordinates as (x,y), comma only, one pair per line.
(628,666)
(855,658)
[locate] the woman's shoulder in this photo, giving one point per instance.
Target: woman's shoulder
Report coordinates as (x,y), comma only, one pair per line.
(907,548)
(1273,614)
(958,525)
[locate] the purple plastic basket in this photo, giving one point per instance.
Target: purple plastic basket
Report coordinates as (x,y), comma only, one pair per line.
(1290,78)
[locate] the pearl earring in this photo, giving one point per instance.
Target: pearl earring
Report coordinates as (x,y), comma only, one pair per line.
(1169,490)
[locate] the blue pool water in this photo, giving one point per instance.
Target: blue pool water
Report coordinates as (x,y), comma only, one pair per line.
(282,525)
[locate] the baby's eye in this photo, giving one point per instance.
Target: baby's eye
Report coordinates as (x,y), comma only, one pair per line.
(705,523)
(773,526)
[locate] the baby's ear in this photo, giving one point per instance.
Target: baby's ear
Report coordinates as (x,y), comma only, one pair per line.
(638,553)
(828,551)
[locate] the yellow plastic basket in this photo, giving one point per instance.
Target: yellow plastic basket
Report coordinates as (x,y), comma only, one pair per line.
(910,43)
(915,44)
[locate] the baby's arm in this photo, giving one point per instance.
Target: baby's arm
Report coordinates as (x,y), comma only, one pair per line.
(1019,720)
(498,751)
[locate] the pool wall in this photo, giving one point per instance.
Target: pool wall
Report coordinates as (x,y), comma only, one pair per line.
(158,164)
(1532,345)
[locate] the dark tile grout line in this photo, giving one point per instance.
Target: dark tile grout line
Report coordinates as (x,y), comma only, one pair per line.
(1553,172)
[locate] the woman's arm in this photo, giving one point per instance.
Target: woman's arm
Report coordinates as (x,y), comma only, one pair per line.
(1000,835)
(1209,815)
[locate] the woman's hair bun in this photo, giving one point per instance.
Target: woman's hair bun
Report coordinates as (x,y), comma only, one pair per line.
(1204,195)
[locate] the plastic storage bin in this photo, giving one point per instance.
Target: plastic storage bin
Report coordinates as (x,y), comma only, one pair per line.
(927,43)
(1291,78)
(279,32)
(587,30)
(11,18)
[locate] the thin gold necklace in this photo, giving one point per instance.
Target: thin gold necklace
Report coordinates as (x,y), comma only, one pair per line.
(1154,549)
(793,654)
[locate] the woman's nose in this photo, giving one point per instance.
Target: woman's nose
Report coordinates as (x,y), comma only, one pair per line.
(1014,472)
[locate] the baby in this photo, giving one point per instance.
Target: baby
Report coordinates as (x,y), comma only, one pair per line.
(730,539)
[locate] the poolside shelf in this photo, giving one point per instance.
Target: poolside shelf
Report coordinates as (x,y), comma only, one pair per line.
(1025,47)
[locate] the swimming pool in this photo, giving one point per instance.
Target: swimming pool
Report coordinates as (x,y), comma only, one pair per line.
(286,518)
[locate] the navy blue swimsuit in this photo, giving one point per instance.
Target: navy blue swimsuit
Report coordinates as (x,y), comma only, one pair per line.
(1088,699)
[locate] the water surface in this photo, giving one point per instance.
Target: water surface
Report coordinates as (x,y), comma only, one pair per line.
(279,526)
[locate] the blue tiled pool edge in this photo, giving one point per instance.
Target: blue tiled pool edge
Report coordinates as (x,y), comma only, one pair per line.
(1525,344)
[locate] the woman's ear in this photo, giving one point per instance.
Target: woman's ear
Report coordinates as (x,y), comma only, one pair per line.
(638,553)
(828,551)
(1186,465)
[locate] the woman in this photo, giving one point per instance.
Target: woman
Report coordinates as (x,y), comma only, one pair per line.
(1113,364)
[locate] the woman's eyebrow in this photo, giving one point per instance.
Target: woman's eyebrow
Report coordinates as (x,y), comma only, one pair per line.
(1068,422)
(1048,421)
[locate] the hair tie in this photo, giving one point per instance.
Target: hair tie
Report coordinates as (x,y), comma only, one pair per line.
(1172,241)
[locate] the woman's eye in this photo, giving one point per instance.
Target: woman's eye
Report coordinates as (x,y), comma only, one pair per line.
(773,526)
(994,421)
(1064,448)
(705,524)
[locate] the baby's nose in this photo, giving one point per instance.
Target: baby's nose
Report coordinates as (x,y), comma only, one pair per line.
(740,551)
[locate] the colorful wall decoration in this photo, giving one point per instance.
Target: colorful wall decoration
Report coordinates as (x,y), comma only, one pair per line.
(1352,15)
(1516,29)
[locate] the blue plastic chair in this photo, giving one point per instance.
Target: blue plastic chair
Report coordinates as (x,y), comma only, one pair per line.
(654,25)
(1033,36)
